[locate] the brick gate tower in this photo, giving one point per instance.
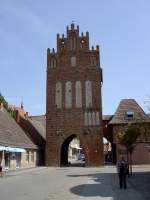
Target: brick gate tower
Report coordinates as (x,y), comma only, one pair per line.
(73,105)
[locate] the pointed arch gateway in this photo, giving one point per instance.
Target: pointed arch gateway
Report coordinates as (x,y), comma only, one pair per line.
(73,100)
(64,156)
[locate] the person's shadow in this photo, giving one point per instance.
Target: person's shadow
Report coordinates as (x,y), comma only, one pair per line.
(99,184)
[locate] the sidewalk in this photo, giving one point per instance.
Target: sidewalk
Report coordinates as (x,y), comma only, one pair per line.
(131,193)
(21,171)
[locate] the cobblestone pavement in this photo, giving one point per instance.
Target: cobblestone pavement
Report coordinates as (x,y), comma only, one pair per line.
(73,183)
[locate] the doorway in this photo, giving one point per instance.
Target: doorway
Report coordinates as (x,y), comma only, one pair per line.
(71,152)
(7,160)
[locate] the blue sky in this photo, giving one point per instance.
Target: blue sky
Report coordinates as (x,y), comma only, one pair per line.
(29,27)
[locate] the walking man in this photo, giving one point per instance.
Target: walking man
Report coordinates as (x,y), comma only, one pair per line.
(122,168)
(1,170)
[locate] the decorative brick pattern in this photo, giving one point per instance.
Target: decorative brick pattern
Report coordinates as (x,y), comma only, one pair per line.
(67,122)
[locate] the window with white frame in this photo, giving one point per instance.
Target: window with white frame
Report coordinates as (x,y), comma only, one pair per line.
(129,114)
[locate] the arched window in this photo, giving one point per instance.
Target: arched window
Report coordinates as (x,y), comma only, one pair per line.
(58,95)
(72,43)
(82,44)
(88,94)
(93,60)
(78,90)
(68,94)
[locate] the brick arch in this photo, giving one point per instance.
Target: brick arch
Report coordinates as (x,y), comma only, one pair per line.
(64,149)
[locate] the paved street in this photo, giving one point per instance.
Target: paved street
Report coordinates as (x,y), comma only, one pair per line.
(73,183)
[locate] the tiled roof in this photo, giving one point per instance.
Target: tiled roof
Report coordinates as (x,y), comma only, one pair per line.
(11,133)
(107,117)
(124,106)
(39,123)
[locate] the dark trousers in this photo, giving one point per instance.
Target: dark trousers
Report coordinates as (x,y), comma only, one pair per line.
(122,180)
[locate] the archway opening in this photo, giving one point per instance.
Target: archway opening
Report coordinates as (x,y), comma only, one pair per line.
(71,152)
(107,151)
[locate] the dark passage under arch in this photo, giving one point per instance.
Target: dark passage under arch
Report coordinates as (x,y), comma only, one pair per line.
(64,150)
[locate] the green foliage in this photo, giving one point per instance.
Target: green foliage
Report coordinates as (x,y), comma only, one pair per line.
(4,102)
(129,136)
(145,131)
(6,107)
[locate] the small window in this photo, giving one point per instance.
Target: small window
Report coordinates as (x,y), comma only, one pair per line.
(73,43)
(53,63)
(82,43)
(129,115)
(27,156)
(62,47)
(93,61)
(32,156)
(12,156)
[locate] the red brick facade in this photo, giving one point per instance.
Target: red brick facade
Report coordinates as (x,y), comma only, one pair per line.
(69,116)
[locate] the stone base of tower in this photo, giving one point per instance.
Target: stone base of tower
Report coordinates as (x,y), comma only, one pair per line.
(91,143)
(96,161)
(95,157)
(52,158)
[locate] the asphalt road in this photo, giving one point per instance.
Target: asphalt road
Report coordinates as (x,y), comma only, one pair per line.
(73,183)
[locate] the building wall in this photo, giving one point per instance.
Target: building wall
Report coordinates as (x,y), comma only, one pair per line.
(107,130)
(78,70)
(24,163)
(31,163)
(141,153)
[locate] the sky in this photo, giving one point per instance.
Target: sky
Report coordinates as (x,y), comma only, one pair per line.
(29,27)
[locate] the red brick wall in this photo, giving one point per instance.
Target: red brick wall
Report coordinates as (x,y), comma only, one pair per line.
(140,155)
(62,123)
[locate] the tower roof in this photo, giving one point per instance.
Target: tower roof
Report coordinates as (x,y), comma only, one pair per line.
(131,107)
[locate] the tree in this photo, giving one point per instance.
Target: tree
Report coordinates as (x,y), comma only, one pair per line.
(128,138)
(3,101)
(6,107)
